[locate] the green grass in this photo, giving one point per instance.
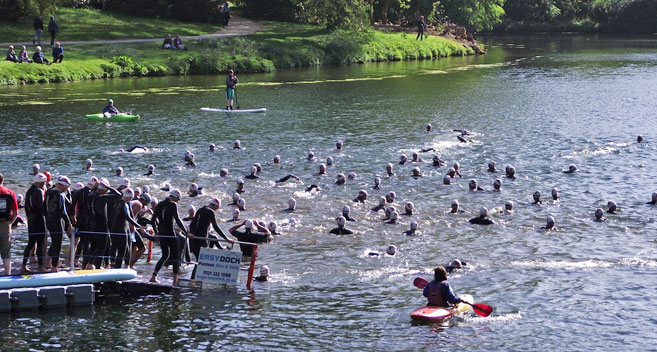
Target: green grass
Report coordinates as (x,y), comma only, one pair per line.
(90,24)
(278,46)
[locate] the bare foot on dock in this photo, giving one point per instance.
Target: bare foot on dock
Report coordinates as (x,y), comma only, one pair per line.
(154,279)
(26,270)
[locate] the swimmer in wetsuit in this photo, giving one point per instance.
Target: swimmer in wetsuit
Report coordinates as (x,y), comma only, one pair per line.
(416,158)
(491,166)
(291,206)
(416,173)
(390,197)
(599,215)
(340,179)
(36,222)
(133,148)
(555,194)
(164,216)
(409,208)
(549,224)
(497,185)
(481,219)
(473,186)
(389,171)
(402,159)
(120,228)
(455,207)
(537,197)
(345,213)
(362,196)
(454,265)
(510,171)
(341,230)
(253,174)
(151,170)
(200,228)
(240,186)
(286,178)
(57,218)
(272,228)
(437,162)
(377,183)
(248,235)
(381,205)
(611,207)
(653,200)
(393,218)
(264,274)
(412,230)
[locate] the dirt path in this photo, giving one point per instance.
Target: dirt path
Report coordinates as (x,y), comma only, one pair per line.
(238,26)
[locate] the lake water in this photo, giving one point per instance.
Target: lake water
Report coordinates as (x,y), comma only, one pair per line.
(537,103)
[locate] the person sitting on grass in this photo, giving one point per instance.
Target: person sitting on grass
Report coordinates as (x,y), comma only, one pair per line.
(38,57)
(22,56)
(168,43)
(177,43)
(11,55)
(110,110)
(57,53)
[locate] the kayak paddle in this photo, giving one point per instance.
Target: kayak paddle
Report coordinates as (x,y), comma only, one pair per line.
(481,309)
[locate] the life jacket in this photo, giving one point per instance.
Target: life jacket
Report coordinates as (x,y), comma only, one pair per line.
(435,295)
(5,206)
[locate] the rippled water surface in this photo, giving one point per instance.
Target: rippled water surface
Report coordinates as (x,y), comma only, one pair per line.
(537,103)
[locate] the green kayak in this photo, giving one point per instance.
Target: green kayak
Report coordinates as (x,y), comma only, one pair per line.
(113,118)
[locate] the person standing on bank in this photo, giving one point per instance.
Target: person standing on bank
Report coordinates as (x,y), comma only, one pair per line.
(225,11)
(231,83)
(53,28)
(421,25)
(38,30)
(8,214)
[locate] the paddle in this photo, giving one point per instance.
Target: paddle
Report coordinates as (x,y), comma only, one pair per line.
(481,309)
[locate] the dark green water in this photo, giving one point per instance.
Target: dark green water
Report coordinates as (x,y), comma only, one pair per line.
(537,103)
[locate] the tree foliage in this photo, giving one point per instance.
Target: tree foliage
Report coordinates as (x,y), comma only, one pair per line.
(475,15)
(14,10)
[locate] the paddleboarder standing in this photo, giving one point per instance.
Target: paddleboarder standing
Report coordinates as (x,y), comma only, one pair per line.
(231,82)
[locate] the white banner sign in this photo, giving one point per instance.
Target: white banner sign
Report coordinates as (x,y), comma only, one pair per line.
(217,266)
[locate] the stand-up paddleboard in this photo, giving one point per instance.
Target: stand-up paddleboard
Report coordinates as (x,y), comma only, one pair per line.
(66,278)
(438,314)
(236,111)
(113,118)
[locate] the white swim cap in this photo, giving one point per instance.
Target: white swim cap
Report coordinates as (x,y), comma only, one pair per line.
(413,225)
(175,193)
(264,270)
(508,204)
(403,157)
(236,213)
(497,182)
(339,141)
(240,181)
(346,209)
(63,180)
(311,154)
(341,220)
(416,170)
(428,125)
(236,196)
(382,200)
(473,183)
(572,167)
(377,180)
(125,182)
(223,171)
(212,146)
(394,215)
(555,192)
(362,192)
(93,180)
(322,166)
(456,263)
(36,166)
(483,211)
(456,165)
(611,204)
(451,170)
(409,206)
(391,250)
(654,196)
(40,178)
(128,193)
(340,176)
(392,194)
(193,187)
(236,142)
(277,158)
(154,200)
(291,203)
(599,212)
(215,202)
(89,162)
(145,189)
(119,169)
(389,166)
(145,197)
(271,226)
(188,153)
(550,220)
(390,210)
(254,170)
(166,187)
(241,203)
(329,161)
(455,202)
(248,224)
(415,154)
(492,163)
(436,157)
(446,179)
(151,167)
(191,207)
(76,187)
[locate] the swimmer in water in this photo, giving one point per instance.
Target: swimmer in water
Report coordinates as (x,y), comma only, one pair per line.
(447,180)
(388,212)
(223,172)
(272,228)
(429,127)
(454,265)
(212,148)
(415,158)
(341,230)
(340,180)
(311,155)
(89,165)
(118,171)
(599,215)
(537,197)
(125,183)
(455,207)
(35,169)
(191,211)
(510,171)
(639,139)
(508,207)
(653,201)
(312,187)
(389,171)
(338,144)
(571,169)
(264,273)
(166,187)
(412,231)
(461,139)
(329,161)
(390,197)
(473,186)
(236,197)
(555,194)
(457,169)
(377,183)
(241,204)
(426,150)
(381,205)
(463,132)
(497,185)
(253,175)
(151,170)
(189,159)
(194,190)
(236,215)
(322,170)
(416,173)
(393,218)
(237,144)
(133,148)
(277,159)
(549,224)
(362,196)
(437,162)
(291,206)
(345,212)
(402,159)
(491,166)
(351,176)
(611,207)
(391,251)
(451,172)
(240,186)
(258,168)
(481,219)
(409,208)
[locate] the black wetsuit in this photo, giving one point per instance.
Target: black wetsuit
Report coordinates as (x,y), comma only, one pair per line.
(131,149)
(98,225)
(164,215)
(122,218)
(57,221)
(199,228)
(341,231)
(251,237)
(81,203)
(36,223)
(252,177)
(481,221)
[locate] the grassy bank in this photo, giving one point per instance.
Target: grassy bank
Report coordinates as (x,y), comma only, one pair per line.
(90,24)
(278,46)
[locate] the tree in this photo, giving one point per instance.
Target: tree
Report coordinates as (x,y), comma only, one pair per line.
(474,15)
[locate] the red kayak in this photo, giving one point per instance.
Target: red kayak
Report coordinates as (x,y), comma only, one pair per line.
(438,314)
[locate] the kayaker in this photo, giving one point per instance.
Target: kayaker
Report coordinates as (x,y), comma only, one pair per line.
(231,83)
(110,110)
(481,219)
(439,292)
